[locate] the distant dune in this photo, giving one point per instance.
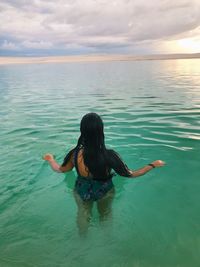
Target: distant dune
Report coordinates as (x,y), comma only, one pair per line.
(92,58)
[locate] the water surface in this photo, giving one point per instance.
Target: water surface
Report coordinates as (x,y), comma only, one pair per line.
(151,110)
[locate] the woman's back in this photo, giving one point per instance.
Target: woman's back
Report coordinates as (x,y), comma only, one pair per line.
(112,161)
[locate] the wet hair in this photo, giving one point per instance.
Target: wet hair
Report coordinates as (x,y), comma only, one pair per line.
(98,159)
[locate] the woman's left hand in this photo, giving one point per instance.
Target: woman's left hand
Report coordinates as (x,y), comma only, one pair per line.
(158,163)
(48,157)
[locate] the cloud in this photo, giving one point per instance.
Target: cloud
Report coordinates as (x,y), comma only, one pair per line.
(6,45)
(37,45)
(96,24)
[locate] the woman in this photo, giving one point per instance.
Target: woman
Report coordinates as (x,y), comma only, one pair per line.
(94,164)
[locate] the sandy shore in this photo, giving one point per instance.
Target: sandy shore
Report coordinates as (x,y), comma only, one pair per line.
(90,58)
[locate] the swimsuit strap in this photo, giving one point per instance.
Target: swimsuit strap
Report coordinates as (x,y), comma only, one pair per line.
(76,160)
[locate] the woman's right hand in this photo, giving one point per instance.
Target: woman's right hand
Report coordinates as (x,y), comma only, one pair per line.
(48,157)
(158,163)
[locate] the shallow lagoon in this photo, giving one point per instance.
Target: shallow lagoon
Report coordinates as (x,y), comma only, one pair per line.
(151,110)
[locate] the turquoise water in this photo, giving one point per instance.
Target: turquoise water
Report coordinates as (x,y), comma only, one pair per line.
(151,110)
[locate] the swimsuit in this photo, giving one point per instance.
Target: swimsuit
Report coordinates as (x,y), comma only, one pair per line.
(89,188)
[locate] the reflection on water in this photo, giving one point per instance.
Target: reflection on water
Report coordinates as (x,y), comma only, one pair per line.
(151,111)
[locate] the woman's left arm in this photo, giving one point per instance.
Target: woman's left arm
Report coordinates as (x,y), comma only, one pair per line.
(57,167)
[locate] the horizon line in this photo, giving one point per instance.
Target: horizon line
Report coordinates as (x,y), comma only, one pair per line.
(4,60)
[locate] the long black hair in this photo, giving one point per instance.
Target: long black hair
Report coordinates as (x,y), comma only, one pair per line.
(98,159)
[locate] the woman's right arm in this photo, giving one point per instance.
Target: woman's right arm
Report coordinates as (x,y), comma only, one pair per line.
(147,168)
(117,164)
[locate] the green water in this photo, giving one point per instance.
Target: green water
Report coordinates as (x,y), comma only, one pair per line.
(151,110)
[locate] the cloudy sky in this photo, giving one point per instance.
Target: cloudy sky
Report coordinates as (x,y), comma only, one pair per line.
(62,27)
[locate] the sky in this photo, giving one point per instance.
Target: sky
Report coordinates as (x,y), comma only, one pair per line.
(75,27)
